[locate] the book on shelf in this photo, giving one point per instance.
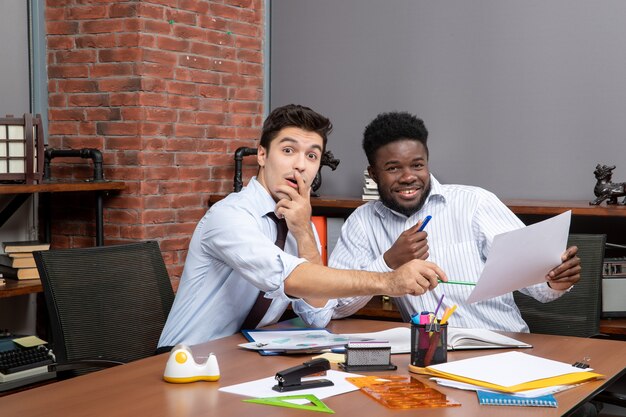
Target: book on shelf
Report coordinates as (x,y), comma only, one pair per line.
(370,188)
(18,262)
(24,246)
(460,339)
(27,273)
(8,272)
(497,398)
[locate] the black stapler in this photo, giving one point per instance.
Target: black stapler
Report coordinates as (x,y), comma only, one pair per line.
(290,378)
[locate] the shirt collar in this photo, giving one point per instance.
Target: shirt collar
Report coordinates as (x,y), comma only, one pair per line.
(265,202)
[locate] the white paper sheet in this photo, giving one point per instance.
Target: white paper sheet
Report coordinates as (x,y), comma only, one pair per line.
(528,393)
(522,257)
(398,337)
(262,388)
(507,369)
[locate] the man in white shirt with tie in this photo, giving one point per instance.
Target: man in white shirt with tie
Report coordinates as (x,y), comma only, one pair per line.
(234,264)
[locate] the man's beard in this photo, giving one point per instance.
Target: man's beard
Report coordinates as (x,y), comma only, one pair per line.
(390,203)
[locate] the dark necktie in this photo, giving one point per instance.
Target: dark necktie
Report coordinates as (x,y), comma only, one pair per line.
(262,304)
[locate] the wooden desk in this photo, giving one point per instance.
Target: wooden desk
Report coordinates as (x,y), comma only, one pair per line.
(137,389)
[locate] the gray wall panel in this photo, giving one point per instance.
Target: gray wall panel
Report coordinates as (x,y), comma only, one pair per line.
(522,98)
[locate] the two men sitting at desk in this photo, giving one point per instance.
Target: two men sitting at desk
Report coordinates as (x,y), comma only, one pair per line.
(234,265)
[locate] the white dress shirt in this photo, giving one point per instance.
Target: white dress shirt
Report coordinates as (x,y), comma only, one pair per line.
(464,222)
(231,257)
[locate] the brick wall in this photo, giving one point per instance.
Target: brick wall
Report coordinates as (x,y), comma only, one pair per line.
(167,90)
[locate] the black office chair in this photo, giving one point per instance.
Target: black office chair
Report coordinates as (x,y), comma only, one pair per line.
(107,304)
(576,313)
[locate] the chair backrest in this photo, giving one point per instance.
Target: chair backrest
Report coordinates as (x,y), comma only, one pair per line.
(576,313)
(108,302)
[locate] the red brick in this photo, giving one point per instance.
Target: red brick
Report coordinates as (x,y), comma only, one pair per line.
(123,10)
(175,244)
(161,57)
(189,32)
(191,131)
(61,28)
(212,105)
(132,25)
(78,86)
(153,144)
(60,42)
(240,3)
(76,142)
(245,107)
(149,187)
(158,216)
(213,91)
(251,16)
(248,68)
(156,158)
(161,115)
(62,128)
(245,29)
(103,113)
(101,26)
(190,159)
(122,216)
(175,87)
(205,118)
(90,12)
(68,71)
(182,102)
(250,56)
(244,42)
(187,117)
(161,173)
(192,173)
(117,128)
(213,22)
(125,99)
(133,113)
(153,69)
(157,201)
(123,143)
(206,49)
(156,129)
(174,187)
(120,84)
(201,7)
(197,76)
(123,174)
(65,57)
(186,200)
(174,144)
(162,27)
(246,94)
(190,214)
(87,128)
(150,99)
(111,70)
(66,114)
(103,40)
(181,17)
(125,158)
(120,55)
(172,44)
(151,11)
(244,120)
(225,12)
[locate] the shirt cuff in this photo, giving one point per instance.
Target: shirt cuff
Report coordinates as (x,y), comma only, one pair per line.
(379,265)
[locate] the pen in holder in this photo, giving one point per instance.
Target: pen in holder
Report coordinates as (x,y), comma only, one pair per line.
(429,344)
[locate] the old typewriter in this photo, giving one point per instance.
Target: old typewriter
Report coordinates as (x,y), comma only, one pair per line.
(21,365)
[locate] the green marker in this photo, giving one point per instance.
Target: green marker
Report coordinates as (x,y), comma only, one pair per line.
(457,282)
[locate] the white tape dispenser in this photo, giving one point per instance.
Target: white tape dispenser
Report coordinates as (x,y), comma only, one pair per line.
(182,368)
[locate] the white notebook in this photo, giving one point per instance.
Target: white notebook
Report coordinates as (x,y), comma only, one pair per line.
(459,339)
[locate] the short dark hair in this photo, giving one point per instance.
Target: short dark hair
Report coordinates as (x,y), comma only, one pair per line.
(294,115)
(390,127)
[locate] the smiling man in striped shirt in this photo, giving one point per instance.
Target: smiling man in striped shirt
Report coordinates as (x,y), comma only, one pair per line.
(383,235)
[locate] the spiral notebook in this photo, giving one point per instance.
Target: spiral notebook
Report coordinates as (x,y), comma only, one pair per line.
(495,398)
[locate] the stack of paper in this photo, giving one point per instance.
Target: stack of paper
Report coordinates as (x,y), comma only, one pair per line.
(511,372)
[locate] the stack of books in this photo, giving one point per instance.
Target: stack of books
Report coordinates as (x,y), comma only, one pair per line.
(370,189)
(17,262)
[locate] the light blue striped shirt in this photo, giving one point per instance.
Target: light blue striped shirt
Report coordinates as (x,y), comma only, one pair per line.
(465,220)
(231,257)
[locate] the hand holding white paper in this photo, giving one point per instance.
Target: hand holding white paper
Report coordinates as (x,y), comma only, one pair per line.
(522,257)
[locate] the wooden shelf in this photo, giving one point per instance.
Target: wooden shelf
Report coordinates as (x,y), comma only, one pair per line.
(59,187)
(344,206)
(11,288)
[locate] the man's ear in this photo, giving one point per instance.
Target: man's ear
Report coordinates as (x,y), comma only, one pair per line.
(372,173)
(261,154)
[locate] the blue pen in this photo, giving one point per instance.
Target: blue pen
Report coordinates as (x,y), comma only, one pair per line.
(426,220)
